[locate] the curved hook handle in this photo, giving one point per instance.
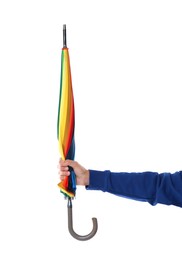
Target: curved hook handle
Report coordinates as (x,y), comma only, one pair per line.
(70,225)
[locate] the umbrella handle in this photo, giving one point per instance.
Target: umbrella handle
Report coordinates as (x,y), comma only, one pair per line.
(70,225)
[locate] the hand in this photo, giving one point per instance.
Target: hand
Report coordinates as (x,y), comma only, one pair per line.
(82,175)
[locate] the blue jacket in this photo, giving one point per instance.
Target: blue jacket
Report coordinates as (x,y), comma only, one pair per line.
(152,187)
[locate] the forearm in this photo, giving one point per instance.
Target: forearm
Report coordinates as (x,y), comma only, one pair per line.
(152,187)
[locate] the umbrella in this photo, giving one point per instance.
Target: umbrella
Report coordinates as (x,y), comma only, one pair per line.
(65,135)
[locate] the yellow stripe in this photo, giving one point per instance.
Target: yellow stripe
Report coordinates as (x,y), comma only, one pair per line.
(64,106)
(70,194)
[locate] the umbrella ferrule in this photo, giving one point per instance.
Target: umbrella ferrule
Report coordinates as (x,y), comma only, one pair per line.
(64,36)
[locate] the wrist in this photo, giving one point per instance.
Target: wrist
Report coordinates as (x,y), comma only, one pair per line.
(87,177)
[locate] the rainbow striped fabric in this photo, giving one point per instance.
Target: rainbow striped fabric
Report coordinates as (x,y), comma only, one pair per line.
(66,123)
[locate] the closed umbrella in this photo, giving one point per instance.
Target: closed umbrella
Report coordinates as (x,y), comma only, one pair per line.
(65,135)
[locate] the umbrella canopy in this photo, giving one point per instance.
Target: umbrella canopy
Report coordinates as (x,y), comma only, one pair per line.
(66,120)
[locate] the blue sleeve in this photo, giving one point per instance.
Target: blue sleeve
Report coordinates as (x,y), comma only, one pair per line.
(152,187)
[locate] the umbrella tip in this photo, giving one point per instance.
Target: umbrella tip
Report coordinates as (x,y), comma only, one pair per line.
(64,36)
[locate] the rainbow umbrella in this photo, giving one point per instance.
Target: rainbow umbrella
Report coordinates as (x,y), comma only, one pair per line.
(66,120)
(65,135)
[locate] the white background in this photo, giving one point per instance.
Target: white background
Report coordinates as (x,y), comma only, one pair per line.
(126,61)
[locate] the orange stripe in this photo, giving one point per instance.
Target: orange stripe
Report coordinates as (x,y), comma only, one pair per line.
(70,194)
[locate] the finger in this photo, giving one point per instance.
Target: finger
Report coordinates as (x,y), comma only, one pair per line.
(70,163)
(62,177)
(63,168)
(63,163)
(64,173)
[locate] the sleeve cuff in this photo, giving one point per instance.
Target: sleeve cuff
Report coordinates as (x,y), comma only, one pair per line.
(98,180)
